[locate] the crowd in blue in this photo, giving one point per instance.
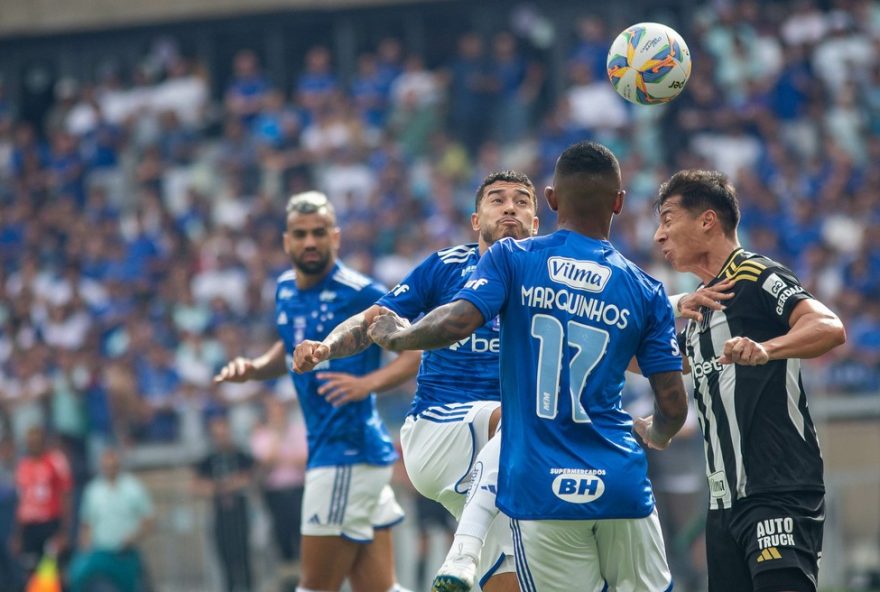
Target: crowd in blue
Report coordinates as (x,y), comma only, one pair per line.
(140,220)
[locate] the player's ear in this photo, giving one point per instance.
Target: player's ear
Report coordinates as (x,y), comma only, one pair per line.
(550,196)
(475,222)
(535,225)
(618,202)
(285,240)
(709,219)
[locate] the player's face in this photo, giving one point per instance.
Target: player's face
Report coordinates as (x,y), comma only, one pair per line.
(680,235)
(311,241)
(506,210)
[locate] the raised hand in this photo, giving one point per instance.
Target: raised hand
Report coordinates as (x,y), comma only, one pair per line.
(709,296)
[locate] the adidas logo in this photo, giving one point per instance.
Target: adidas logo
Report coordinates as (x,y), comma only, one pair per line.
(769,554)
(314,519)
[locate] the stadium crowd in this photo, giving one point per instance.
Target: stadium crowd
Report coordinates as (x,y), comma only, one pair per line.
(140,222)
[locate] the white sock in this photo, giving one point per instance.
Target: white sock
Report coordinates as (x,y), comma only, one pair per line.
(480,509)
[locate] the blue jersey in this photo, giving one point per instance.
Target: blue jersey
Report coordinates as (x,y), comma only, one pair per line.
(465,371)
(574,312)
(352,433)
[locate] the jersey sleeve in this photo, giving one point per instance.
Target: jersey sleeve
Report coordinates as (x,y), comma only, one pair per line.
(489,284)
(779,292)
(410,298)
(659,349)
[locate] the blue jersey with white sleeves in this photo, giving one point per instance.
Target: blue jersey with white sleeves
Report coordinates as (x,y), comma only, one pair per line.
(354,432)
(574,312)
(466,371)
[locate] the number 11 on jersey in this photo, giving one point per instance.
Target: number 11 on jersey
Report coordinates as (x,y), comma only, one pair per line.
(590,344)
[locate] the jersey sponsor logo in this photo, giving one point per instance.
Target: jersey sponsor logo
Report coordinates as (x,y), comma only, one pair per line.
(475,284)
(717,485)
(468,270)
(595,310)
(780,290)
(478,345)
(400,289)
(706,368)
(775,532)
(578,488)
(581,275)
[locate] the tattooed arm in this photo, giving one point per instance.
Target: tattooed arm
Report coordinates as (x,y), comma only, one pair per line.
(670,410)
(348,338)
(441,327)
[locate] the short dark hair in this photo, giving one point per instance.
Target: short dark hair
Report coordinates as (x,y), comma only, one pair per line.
(510,177)
(704,190)
(589,158)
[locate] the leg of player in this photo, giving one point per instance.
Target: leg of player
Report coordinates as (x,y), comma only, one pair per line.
(632,555)
(347,511)
(326,560)
(461,568)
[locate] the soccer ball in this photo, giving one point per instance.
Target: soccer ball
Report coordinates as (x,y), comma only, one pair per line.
(649,63)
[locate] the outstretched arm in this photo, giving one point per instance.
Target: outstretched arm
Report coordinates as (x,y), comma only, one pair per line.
(266,367)
(348,338)
(441,327)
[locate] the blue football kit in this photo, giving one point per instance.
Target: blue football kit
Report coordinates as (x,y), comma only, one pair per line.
(574,312)
(352,433)
(466,371)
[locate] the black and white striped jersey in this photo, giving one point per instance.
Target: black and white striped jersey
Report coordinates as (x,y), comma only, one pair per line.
(757,430)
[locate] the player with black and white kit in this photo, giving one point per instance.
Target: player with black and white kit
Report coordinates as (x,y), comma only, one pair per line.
(766,510)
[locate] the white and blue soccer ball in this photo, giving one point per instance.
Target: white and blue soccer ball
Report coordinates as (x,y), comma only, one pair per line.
(649,63)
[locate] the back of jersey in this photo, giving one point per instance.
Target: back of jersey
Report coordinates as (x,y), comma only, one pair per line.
(574,312)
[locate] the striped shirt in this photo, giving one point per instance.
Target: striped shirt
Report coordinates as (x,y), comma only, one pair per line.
(757,430)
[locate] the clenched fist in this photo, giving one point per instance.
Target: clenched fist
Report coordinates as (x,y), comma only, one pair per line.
(309,354)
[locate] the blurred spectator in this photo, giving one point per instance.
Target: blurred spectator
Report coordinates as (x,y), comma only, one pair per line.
(471,92)
(225,475)
(44,512)
(116,513)
(245,93)
(317,83)
(279,445)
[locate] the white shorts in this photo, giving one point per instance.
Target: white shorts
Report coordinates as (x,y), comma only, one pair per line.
(349,501)
(625,554)
(440,445)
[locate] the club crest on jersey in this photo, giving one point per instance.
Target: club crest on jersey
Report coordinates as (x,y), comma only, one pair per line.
(578,488)
(581,275)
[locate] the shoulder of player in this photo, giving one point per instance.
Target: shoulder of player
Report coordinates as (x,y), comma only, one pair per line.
(754,268)
(454,256)
(345,277)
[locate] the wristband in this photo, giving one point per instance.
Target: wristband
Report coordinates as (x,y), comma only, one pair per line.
(675,300)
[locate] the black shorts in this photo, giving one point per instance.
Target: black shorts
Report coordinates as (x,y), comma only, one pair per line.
(765,542)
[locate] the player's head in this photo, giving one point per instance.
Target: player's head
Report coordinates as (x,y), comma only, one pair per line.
(587,188)
(311,238)
(696,209)
(505,206)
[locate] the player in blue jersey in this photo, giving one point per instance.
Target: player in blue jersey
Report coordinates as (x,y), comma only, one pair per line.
(574,312)
(348,505)
(457,404)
